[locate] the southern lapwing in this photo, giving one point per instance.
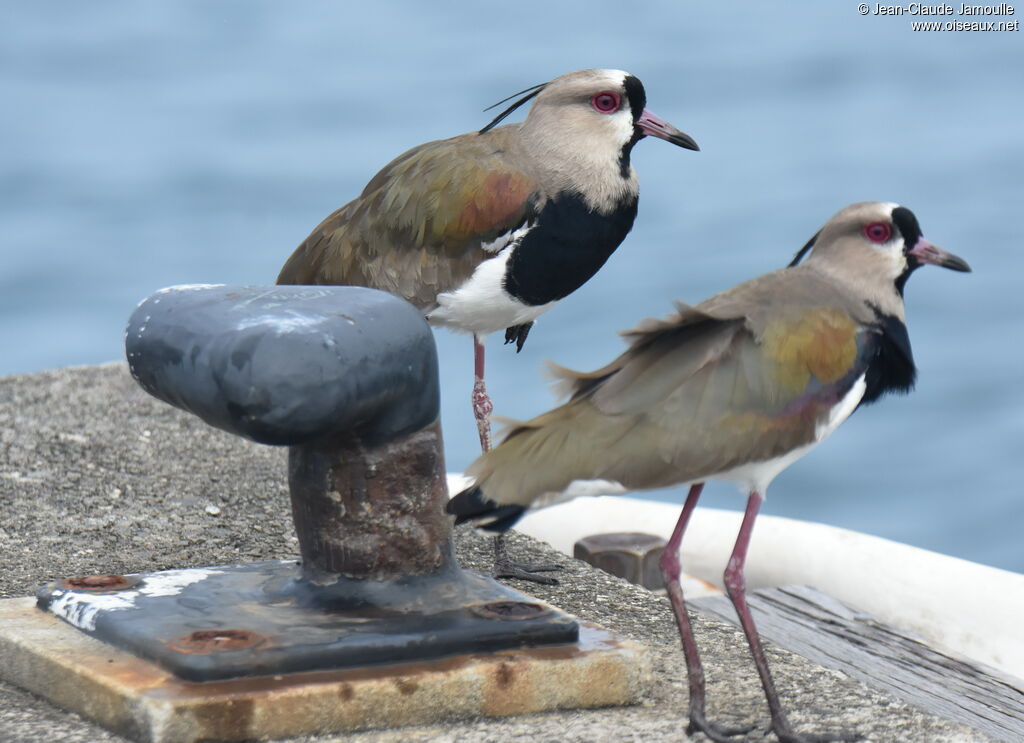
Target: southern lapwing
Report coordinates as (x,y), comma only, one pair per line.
(488,230)
(736,388)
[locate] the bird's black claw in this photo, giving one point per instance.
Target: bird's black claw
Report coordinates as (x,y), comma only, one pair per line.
(517,334)
(510,569)
(714,731)
(506,567)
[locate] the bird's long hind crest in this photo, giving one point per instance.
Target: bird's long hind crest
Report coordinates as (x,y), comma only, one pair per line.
(804,250)
(530,92)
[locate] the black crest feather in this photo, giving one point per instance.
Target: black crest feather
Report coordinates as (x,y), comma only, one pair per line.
(530,93)
(804,250)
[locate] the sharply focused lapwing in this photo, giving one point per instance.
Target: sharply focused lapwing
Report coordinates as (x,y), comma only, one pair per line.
(736,388)
(488,230)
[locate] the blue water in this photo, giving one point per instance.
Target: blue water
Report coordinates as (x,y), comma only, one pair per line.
(152,143)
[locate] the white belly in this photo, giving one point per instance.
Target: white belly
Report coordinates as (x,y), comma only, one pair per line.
(756,476)
(482,305)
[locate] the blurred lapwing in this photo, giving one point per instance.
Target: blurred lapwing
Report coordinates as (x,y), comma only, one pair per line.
(737,389)
(488,230)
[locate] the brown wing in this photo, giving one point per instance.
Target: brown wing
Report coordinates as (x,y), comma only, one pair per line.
(693,396)
(417,228)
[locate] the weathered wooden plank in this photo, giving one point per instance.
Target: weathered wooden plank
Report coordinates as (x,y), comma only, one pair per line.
(817,626)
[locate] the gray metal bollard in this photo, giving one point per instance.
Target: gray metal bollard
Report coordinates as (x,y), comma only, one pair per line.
(287,364)
(347,378)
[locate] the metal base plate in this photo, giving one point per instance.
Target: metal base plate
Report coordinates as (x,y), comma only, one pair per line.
(142,701)
(209,624)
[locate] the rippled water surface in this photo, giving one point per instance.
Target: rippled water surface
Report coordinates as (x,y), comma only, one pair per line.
(148,144)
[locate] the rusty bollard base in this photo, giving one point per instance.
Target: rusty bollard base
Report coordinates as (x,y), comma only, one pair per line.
(210,624)
(142,700)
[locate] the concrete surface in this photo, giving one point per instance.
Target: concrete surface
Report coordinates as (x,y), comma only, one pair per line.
(96,477)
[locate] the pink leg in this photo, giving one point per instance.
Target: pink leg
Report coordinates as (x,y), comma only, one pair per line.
(671,571)
(504,565)
(736,587)
(482,406)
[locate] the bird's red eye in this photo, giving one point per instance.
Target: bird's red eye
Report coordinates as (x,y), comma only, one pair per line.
(878,232)
(606,102)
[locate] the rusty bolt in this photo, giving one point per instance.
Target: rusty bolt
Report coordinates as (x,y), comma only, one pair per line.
(100,583)
(514,610)
(630,555)
(206,641)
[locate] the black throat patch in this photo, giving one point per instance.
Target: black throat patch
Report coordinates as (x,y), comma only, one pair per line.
(568,245)
(891,363)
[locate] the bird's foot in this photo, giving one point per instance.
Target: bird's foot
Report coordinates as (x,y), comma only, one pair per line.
(507,568)
(714,731)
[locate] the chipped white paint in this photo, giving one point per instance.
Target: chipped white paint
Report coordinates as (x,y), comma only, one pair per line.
(81,609)
(281,296)
(284,323)
(154,298)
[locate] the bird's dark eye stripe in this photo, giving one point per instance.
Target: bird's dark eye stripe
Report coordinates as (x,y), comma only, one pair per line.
(636,96)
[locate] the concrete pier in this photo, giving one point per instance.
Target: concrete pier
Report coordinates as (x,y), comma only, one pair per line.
(96,477)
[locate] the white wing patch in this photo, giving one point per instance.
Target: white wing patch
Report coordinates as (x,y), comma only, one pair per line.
(509,239)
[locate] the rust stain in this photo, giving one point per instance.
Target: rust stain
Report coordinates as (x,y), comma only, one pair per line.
(592,639)
(225,719)
(510,610)
(405,686)
(388,534)
(500,697)
(504,674)
(314,702)
(109,582)
(257,685)
(207,641)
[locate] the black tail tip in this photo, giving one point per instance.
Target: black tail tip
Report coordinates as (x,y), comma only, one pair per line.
(471,505)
